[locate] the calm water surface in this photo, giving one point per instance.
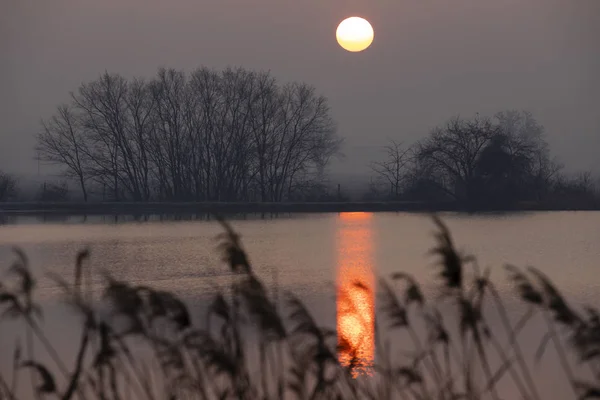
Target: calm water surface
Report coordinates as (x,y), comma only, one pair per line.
(304,252)
(310,255)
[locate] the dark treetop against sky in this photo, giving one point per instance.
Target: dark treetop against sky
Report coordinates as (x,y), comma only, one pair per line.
(431,59)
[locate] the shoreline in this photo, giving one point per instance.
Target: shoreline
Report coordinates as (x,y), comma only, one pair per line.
(170,208)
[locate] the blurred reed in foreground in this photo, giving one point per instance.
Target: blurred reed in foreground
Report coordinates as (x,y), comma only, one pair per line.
(137,342)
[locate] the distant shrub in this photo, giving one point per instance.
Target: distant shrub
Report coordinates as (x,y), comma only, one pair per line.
(8,187)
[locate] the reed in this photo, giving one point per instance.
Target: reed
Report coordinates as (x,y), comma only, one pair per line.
(138,342)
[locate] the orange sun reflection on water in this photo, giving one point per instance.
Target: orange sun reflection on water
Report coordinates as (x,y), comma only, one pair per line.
(355,296)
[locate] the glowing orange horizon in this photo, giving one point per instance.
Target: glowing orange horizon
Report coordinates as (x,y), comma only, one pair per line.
(355,215)
(356,286)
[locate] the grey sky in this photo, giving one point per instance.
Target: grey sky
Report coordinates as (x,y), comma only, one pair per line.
(430,60)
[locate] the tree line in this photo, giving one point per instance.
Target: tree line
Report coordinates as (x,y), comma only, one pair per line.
(231,135)
(240,135)
(482,161)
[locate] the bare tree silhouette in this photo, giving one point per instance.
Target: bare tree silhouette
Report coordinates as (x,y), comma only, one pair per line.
(211,135)
(61,142)
(393,168)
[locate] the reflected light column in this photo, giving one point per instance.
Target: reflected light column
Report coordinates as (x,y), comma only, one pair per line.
(355,292)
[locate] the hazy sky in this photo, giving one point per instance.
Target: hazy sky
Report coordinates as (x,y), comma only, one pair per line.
(430,60)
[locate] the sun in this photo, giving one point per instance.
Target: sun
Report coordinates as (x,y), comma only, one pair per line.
(354,34)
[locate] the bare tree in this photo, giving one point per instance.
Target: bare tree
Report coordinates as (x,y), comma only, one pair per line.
(529,153)
(169,138)
(203,109)
(265,124)
(101,104)
(61,142)
(8,187)
(452,153)
(305,139)
(231,148)
(393,168)
(493,161)
(213,135)
(140,108)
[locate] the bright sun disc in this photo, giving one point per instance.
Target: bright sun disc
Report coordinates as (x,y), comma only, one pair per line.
(354,34)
